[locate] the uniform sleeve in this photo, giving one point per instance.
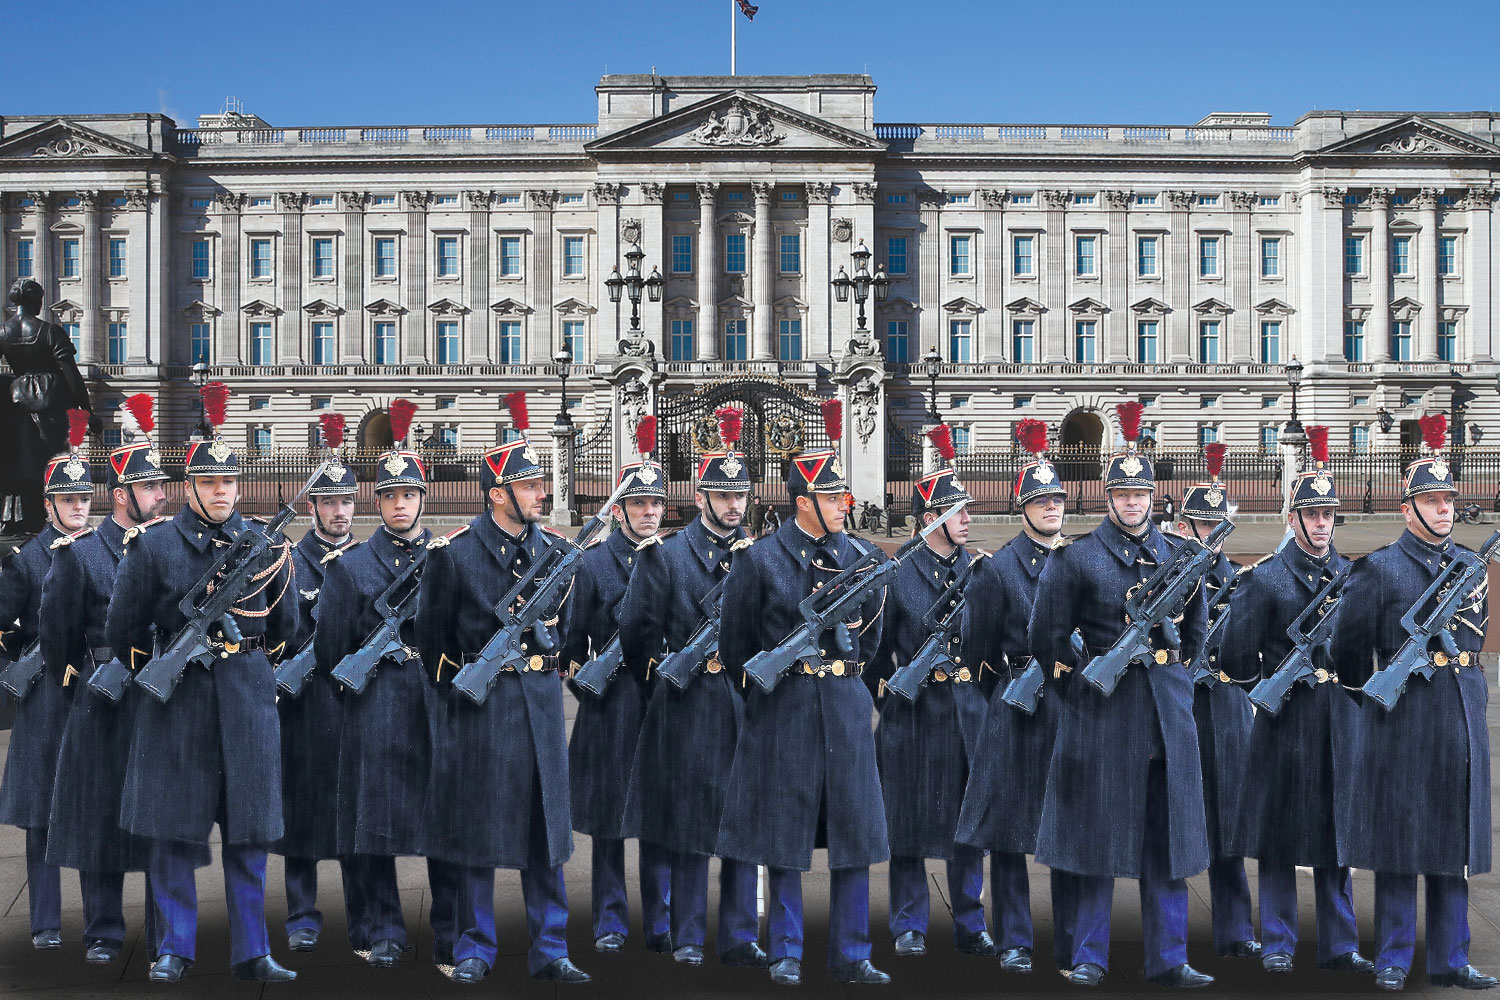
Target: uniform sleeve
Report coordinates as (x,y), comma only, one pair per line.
(13,591)
(437,617)
(64,640)
(1244,635)
(581,607)
(333,635)
(1051,623)
(642,613)
(882,663)
(1356,630)
(1194,623)
(129,623)
(739,626)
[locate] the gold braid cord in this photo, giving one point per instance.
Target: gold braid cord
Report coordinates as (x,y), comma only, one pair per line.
(265,575)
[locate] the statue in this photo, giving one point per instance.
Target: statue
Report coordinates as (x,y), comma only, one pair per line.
(43,385)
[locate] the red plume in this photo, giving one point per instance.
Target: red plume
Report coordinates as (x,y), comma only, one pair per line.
(833,418)
(1213,457)
(401,411)
(515,402)
(730,419)
(142,407)
(645,436)
(1130,419)
(333,428)
(78,427)
(1032,435)
(1317,443)
(941,437)
(1434,430)
(215,396)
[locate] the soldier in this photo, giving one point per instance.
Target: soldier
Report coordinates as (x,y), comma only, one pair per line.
(1417,801)
(37,732)
(1221,711)
(605,730)
(1002,805)
(498,797)
(212,752)
(1124,788)
(926,748)
(1286,813)
(310,722)
(687,741)
(82,831)
(804,770)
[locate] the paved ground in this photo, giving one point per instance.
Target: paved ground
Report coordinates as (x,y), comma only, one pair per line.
(333,971)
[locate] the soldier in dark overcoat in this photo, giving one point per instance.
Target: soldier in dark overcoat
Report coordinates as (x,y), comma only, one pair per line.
(1221,711)
(1285,815)
(310,726)
(1002,805)
(40,717)
(1124,787)
(1417,797)
(687,740)
(804,772)
(925,748)
(605,730)
(498,797)
(212,752)
(83,831)
(385,749)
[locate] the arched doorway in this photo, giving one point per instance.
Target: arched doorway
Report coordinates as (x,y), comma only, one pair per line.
(1080,442)
(375,430)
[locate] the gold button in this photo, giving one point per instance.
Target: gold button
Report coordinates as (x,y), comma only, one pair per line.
(714,666)
(1322,675)
(837,668)
(535,662)
(823,672)
(1440,658)
(940,675)
(1161,656)
(964,675)
(804,552)
(1463,658)
(1223,677)
(398,562)
(523,647)
(822,652)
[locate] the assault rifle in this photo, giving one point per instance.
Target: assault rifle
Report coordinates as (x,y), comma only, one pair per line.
(1310,632)
(1451,590)
(207,606)
(679,666)
(294,673)
(826,608)
(1153,604)
(596,675)
(18,675)
(1202,672)
(110,680)
(355,669)
(1024,691)
(551,575)
(909,680)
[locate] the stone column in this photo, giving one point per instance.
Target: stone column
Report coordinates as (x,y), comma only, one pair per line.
(608,253)
(992,257)
(1427,276)
(708,274)
(654,244)
(477,348)
(1243,261)
(763,274)
(231,346)
(289,344)
(564,509)
(1319,328)
(5,266)
(1052,336)
(930,269)
(357,343)
(414,278)
(1378,323)
(1115,324)
(1177,324)
(1479,272)
(819,338)
(41,243)
(91,339)
(151,272)
(862,389)
(539,276)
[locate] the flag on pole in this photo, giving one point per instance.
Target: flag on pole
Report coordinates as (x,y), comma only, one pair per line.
(749,8)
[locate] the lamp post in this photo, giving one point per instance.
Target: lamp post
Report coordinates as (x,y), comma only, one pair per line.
(932,364)
(1293,429)
(1457,403)
(563,359)
(632,283)
(861,284)
(564,440)
(1293,437)
(200,379)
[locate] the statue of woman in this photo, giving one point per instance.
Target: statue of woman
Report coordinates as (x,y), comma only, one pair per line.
(45,383)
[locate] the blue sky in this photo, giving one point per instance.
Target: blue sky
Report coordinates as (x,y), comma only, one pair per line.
(465,61)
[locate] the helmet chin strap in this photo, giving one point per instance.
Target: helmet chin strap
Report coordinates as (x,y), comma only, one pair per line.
(713,515)
(1032,524)
(1417,510)
(203,507)
(1119,519)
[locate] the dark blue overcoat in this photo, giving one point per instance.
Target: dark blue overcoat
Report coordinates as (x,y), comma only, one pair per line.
(216,743)
(1002,805)
(492,763)
(1417,797)
(687,741)
(1094,815)
(925,749)
(804,772)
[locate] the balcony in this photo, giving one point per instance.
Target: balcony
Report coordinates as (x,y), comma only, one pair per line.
(1117,140)
(405,140)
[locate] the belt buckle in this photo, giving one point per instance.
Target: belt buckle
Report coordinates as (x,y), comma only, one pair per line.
(965,675)
(1440,658)
(1463,658)
(713,665)
(1162,656)
(940,675)
(1322,675)
(535,663)
(231,647)
(808,668)
(837,668)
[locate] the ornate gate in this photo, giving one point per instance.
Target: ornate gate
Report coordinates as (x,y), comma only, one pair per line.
(781,420)
(593,466)
(903,467)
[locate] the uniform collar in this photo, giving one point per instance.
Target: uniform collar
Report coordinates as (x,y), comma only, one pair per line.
(501,545)
(935,566)
(316,546)
(1030,555)
(803,548)
(394,551)
(1127,549)
(113,535)
(708,547)
(199,533)
(622,549)
(1429,557)
(1305,568)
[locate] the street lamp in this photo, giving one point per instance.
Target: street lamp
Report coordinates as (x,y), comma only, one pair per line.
(932,363)
(862,282)
(200,379)
(1292,432)
(563,359)
(1386,419)
(1462,397)
(632,283)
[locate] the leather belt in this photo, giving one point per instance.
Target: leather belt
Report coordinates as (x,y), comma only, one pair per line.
(833,668)
(1463,659)
(249,644)
(1165,657)
(537,663)
(963,675)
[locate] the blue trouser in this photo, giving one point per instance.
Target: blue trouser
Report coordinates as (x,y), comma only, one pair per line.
(910,899)
(611,908)
(380,916)
(43,883)
(546,899)
(1011,887)
(1229,898)
(302,913)
(738,921)
(1447,922)
(848,915)
(103,907)
(176,896)
(1164,900)
(445,882)
(1064,916)
(1333,895)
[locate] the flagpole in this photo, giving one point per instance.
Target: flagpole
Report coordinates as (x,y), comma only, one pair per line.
(733,36)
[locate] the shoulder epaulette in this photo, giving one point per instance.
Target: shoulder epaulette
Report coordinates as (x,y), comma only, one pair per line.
(595,541)
(647,543)
(140,529)
(553,531)
(441,541)
(1063,541)
(1249,566)
(257,519)
(58,543)
(743,543)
